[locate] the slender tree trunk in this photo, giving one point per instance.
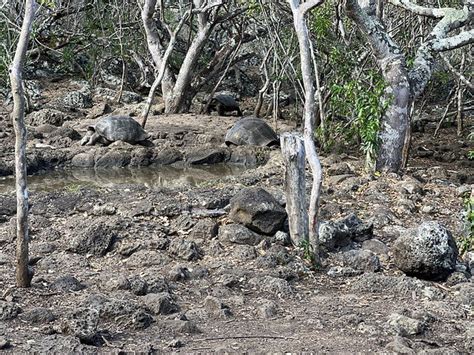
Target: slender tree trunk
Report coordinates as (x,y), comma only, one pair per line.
(155,47)
(176,102)
(299,11)
(162,70)
(23,276)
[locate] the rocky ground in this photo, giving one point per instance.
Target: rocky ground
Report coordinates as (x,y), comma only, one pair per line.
(132,267)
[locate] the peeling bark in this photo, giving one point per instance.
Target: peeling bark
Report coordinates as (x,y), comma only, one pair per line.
(292,148)
(23,275)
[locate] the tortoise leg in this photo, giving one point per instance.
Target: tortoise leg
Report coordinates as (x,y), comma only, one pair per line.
(94,139)
(239,113)
(220,110)
(86,139)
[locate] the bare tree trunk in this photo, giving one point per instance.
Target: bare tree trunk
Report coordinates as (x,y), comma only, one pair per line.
(162,69)
(459,113)
(176,102)
(292,148)
(299,11)
(266,84)
(276,104)
(23,275)
(154,46)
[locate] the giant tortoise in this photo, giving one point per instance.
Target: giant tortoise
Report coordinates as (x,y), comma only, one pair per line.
(223,103)
(115,128)
(251,131)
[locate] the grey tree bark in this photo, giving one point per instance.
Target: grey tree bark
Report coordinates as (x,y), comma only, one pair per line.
(394,123)
(23,274)
(175,90)
(162,66)
(299,10)
(403,85)
(292,148)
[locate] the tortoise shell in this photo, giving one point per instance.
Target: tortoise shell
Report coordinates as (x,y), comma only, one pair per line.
(120,128)
(251,131)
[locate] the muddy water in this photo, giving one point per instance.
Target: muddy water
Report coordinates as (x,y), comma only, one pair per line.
(165,176)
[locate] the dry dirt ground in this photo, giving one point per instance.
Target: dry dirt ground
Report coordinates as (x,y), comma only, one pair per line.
(128,267)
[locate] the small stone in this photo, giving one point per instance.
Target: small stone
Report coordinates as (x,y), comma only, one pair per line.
(138,286)
(427,209)
(238,234)
(38,316)
(179,273)
(282,238)
(184,249)
(405,326)
(244,252)
(83,323)
(400,345)
(361,260)
(94,239)
(175,343)
(204,229)
(376,246)
(4,343)
(268,309)
(160,303)
(339,271)
(338,234)
(456,278)
(67,283)
(216,308)
(8,310)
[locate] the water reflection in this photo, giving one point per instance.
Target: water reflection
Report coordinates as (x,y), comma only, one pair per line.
(163,176)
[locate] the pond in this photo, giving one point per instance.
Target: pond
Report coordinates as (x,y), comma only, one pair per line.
(162,176)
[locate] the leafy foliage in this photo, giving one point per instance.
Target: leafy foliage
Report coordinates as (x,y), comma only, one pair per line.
(466,242)
(364,107)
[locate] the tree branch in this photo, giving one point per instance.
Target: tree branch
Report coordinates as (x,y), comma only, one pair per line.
(457,41)
(419,10)
(458,74)
(308,5)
